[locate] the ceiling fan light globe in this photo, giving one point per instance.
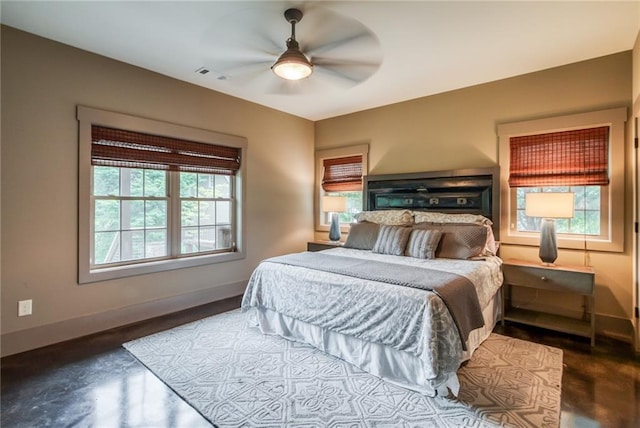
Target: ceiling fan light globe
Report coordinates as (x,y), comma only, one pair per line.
(292,65)
(291,70)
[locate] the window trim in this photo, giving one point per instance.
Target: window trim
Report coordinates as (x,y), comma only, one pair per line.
(320,156)
(614,118)
(88,116)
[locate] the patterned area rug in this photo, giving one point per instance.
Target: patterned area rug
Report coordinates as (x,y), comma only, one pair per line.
(235,376)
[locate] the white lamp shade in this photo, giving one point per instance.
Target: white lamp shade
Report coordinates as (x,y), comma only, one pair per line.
(549,204)
(334,204)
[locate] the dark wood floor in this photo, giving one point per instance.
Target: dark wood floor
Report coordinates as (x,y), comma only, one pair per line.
(94,382)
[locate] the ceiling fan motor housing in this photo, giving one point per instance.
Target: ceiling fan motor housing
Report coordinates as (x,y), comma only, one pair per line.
(293,16)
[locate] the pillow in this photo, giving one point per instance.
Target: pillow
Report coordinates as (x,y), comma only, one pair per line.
(390,217)
(433,217)
(462,241)
(459,241)
(423,243)
(392,240)
(362,236)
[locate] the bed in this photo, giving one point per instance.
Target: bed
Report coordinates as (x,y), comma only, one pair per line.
(414,290)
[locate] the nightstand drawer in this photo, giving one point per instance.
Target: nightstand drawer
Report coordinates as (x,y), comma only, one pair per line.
(545,278)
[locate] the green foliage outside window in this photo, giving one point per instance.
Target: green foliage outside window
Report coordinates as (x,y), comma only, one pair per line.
(586,219)
(131,217)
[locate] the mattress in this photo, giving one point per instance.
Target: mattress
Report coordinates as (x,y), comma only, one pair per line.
(401,334)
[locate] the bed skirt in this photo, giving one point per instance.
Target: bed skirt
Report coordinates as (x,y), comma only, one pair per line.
(397,367)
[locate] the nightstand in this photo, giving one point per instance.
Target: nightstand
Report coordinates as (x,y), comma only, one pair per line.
(322,245)
(567,279)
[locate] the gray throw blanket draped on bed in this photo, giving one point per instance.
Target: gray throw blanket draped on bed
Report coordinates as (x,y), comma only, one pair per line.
(456,291)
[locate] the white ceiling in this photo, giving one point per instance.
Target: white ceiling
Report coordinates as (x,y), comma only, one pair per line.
(425,47)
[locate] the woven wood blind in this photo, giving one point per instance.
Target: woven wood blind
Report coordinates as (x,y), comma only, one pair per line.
(567,158)
(342,174)
(129,149)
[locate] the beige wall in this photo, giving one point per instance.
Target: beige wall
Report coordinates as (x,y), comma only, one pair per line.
(42,83)
(458,130)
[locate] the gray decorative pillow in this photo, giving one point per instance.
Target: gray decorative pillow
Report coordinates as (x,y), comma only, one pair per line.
(423,243)
(392,240)
(462,241)
(362,236)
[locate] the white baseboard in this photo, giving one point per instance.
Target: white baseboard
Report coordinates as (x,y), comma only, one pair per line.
(36,337)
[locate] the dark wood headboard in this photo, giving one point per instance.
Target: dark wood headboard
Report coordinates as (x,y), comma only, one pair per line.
(474,191)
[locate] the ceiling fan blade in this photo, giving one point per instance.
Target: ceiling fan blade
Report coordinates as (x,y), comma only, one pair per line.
(228,44)
(353,44)
(356,70)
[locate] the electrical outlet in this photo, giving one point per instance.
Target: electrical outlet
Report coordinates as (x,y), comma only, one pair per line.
(25,307)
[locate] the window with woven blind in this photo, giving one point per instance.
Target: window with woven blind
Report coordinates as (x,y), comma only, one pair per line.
(339,172)
(568,158)
(129,149)
(580,153)
(342,174)
(155,196)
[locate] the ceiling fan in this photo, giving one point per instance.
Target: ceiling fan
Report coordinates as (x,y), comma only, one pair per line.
(331,51)
(292,64)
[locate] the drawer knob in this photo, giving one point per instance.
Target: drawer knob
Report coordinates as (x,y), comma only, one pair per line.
(543,278)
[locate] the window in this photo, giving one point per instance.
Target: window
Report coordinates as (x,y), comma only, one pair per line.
(155,196)
(339,173)
(582,154)
(342,176)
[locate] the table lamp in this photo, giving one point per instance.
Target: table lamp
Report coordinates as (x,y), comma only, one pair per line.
(549,206)
(334,205)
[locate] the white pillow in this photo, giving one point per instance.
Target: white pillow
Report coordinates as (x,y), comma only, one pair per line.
(433,217)
(388,217)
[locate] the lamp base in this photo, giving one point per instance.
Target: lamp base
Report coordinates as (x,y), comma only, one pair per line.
(548,247)
(334,229)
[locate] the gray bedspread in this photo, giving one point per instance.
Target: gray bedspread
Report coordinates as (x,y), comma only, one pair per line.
(408,320)
(457,292)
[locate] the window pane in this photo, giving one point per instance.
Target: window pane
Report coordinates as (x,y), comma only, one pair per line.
(593,197)
(189,241)
(207,238)
(593,223)
(156,213)
(207,213)
(156,243)
(189,213)
(222,186)
(155,183)
(188,184)
(579,201)
(107,215)
(205,185)
(562,225)
(224,237)
(223,212)
(132,245)
(586,219)
(106,247)
(131,182)
(354,206)
(132,214)
(520,197)
(527,224)
(106,181)
(577,222)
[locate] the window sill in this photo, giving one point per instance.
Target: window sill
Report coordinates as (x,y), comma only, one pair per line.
(88,275)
